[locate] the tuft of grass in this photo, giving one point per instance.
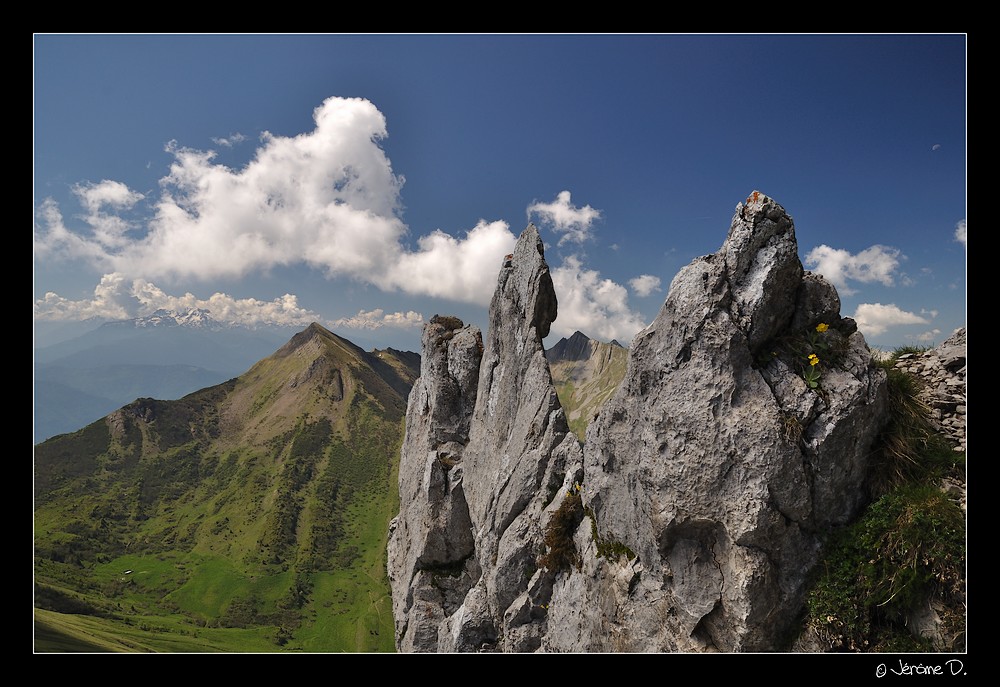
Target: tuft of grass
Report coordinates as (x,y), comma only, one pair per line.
(908,547)
(562,554)
(791,429)
(907,350)
(609,549)
(909,449)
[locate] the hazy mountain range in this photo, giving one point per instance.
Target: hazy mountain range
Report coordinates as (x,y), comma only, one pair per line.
(83,373)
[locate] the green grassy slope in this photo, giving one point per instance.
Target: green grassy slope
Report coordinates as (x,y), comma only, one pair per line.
(584,386)
(246,517)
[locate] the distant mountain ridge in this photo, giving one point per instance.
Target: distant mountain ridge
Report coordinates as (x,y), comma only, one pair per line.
(198,318)
(238,510)
(586,373)
(164,355)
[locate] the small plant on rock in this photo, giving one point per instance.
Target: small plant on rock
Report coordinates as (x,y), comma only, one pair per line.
(815,344)
(562,553)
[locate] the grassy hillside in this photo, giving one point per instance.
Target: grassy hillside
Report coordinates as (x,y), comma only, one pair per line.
(585,385)
(250,516)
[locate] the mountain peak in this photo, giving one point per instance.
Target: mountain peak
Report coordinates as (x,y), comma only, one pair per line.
(692,509)
(271,467)
(316,331)
(577,347)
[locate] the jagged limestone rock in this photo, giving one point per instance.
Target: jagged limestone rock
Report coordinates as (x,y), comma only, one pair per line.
(513,463)
(715,462)
(941,373)
(430,545)
(707,481)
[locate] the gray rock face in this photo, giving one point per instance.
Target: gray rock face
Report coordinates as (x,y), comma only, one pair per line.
(716,463)
(517,457)
(430,541)
(738,436)
(511,458)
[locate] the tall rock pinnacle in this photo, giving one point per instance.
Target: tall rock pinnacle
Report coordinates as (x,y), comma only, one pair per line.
(512,462)
(431,538)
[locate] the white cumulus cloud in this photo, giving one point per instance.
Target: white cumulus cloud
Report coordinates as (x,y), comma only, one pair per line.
(447,267)
(327,198)
(595,306)
(108,228)
(930,337)
(53,240)
(565,218)
(645,284)
(873,264)
(378,318)
(960,232)
(108,302)
(874,318)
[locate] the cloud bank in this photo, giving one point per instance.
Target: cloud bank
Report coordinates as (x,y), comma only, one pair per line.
(595,306)
(875,319)
(327,199)
(377,318)
(117,298)
(874,264)
(457,269)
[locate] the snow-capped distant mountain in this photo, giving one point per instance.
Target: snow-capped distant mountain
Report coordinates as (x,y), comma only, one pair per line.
(196,318)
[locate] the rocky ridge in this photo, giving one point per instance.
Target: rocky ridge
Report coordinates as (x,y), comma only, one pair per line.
(695,512)
(941,371)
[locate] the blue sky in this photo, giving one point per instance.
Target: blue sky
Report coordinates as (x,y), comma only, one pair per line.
(370,182)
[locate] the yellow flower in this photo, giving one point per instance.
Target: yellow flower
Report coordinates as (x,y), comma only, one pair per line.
(822,327)
(813,360)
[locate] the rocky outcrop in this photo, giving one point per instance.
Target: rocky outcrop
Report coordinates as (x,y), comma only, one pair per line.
(723,457)
(738,437)
(941,372)
(430,542)
(487,591)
